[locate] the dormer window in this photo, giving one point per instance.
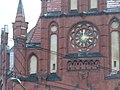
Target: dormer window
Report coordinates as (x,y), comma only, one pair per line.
(73,4)
(93,4)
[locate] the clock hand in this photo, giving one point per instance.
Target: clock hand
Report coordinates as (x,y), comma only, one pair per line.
(91,37)
(84,37)
(83,32)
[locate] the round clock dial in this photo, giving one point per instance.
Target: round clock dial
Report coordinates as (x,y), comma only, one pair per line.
(83,37)
(53,28)
(115,24)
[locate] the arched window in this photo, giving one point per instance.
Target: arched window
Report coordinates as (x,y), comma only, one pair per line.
(11,66)
(73,4)
(115,50)
(53,54)
(93,4)
(33,64)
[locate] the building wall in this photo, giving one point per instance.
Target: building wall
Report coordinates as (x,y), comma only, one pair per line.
(94,72)
(80,78)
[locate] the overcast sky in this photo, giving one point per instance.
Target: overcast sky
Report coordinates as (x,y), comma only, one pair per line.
(8,9)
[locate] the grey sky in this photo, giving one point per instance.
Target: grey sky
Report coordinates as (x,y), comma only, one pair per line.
(8,9)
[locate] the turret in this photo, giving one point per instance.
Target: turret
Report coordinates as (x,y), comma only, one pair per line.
(20,26)
(4,35)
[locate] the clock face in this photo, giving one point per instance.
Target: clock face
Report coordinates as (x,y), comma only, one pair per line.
(115,24)
(53,28)
(83,37)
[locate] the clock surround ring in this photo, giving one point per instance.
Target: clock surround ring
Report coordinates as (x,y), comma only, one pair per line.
(83,36)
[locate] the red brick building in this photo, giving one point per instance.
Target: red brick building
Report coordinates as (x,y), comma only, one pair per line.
(75,45)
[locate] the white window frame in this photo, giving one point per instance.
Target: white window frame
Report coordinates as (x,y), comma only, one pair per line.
(93,4)
(73,4)
(53,54)
(11,60)
(115,47)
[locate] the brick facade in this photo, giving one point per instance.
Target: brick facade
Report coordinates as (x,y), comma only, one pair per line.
(79,67)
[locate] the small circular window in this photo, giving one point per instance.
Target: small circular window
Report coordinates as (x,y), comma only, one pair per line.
(115,24)
(53,28)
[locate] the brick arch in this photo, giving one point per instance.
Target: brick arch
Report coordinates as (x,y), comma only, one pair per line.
(113,19)
(81,23)
(31,54)
(52,23)
(113,50)
(28,61)
(50,35)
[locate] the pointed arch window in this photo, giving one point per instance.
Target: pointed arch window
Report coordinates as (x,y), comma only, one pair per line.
(115,50)
(73,4)
(33,64)
(53,54)
(115,23)
(93,4)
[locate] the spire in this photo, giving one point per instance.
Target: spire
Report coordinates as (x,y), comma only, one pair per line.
(20,25)
(20,9)
(20,16)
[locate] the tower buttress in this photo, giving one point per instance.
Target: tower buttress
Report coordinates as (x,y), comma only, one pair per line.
(20,36)
(20,26)
(43,7)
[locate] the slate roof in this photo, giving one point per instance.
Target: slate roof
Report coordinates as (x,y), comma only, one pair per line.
(20,9)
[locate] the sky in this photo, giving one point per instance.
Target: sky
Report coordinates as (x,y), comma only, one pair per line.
(8,9)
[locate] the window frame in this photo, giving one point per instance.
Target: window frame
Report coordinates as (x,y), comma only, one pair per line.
(51,32)
(30,65)
(113,58)
(90,4)
(54,63)
(74,8)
